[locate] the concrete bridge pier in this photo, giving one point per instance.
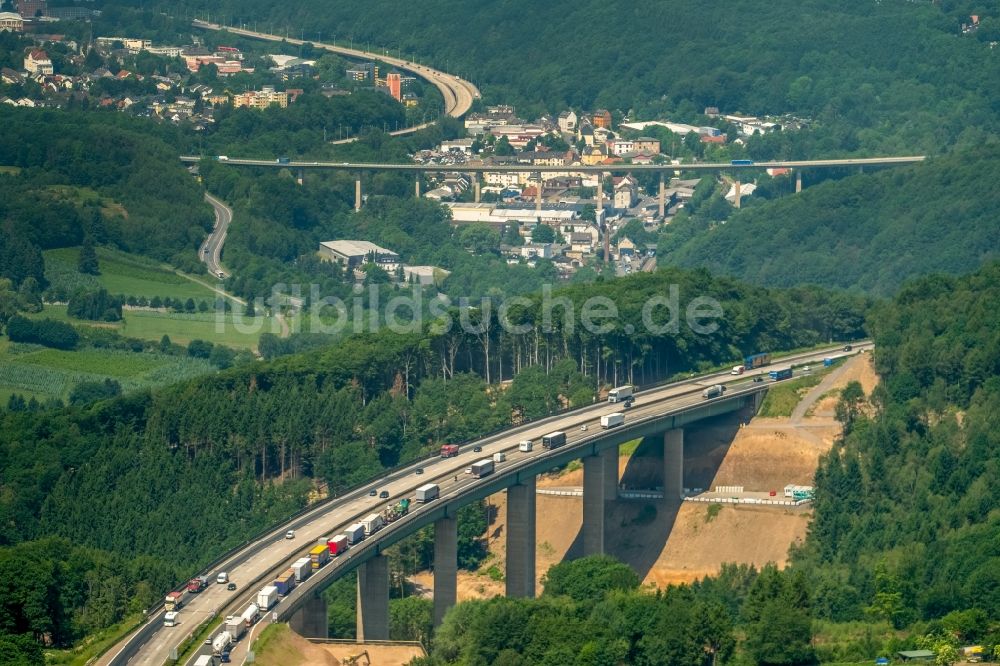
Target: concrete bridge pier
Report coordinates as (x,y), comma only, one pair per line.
(593,505)
(663,197)
(521,539)
(357,194)
(736,197)
(798,181)
(300,177)
(538,199)
(311,620)
(609,459)
(445,567)
(373,600)
(673,464)
(475,187)
(416,186)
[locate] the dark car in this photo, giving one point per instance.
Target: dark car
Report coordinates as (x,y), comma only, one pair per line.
(384,494)
(848,347)
(419,470)
(372,493)
(477,449)
(231,587)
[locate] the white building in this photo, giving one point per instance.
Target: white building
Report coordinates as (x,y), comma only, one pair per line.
(353,253)
(37,62)
(567,121)
(11,22)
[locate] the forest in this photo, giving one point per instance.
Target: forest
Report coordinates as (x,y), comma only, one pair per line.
(105,179)
(866,232)
(333,417)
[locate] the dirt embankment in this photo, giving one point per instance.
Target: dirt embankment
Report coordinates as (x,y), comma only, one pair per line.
(667,543)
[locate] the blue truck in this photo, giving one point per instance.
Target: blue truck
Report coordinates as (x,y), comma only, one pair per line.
(756,361)
(778,375)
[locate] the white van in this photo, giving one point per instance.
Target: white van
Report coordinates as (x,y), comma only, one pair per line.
(524,445)
(222,578)
(713,391)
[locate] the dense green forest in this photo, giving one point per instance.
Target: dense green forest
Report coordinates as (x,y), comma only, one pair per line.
(893,76)
(127,189)
(334,416)
(869,232)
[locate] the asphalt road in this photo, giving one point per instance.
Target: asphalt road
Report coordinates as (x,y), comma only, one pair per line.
(274,553)
(211,250)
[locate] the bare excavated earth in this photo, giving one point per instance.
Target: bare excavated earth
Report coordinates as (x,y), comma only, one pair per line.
(667,543)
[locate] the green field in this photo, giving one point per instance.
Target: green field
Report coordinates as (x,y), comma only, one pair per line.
(783,396)
(42,373)
(122,273)
(57,311)
(183,328)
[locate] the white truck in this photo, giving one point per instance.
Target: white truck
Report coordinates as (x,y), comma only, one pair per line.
(612,420)
(499,457)
(524,446)
(221,645)
(170,619)
(302,568)
(713,391)
(267,597)
(204,660)
(236,627)
(482,468)
(428,492)
(372,524)
(355,533)
(621,393)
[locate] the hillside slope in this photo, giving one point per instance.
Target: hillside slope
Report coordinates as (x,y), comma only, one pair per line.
(867,232)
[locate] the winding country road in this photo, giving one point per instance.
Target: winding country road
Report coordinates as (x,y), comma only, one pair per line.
(210,251)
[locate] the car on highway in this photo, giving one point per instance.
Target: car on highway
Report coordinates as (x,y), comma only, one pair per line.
(419,470)
(848,347)
(231,587)
(468,470)
(290,534)
(384,494)
(477,449)
(373,492)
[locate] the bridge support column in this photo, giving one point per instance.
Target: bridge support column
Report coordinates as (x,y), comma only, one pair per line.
(673,464)
(521,540)
(357,194)
(300,178)
(798,181)
(610,462)
(373,600)
(416,186)
(311,620)
(663,197)
(736,197)
(445,567)
(593,505)
(475,187)
(538,199)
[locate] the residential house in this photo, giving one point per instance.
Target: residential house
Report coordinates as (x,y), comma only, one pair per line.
(37,62)
(11,22)
(585,133)
(712,111)
(602,118)
(645,144)
(602,135)
(593,155)
(621,146)
(261,99)
(625,192)
(567,121)
(626,248)
(581,243)
(10,77)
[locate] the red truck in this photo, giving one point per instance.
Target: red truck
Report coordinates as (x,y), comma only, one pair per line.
(449,450)
(196,585)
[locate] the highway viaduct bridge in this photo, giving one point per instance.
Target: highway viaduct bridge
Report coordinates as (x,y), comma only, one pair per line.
(662,411)
(358,168)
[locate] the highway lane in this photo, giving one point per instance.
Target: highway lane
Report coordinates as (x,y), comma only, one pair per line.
(458,93)
(576,168)
(260,561)
(210,251)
